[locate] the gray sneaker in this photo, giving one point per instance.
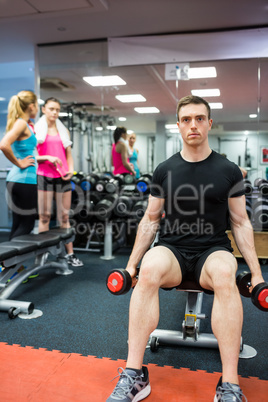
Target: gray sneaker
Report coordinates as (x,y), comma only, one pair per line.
(74,261)
(227,392)
(131,387)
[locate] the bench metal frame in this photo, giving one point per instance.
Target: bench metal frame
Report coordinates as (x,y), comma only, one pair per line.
(42,246)
(190,334)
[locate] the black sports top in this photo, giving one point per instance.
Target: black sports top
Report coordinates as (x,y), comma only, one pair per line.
(196,200)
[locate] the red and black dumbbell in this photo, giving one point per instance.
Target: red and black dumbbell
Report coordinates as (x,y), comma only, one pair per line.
(119,281)
(259,294)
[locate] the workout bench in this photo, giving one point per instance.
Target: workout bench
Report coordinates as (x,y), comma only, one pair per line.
(190,334)
(24,248)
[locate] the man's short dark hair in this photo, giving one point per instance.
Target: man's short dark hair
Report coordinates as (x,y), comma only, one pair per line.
(187,100)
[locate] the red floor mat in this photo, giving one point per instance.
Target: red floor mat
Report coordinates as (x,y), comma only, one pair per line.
(38,375)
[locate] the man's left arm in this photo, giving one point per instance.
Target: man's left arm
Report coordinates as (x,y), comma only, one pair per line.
(244,237)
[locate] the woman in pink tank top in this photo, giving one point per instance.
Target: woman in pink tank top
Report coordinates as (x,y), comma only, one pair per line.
(120,152)
(55,170)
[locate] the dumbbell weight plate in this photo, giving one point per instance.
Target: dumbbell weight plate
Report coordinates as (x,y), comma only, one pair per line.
(243,282)
(85,185)
(120,179)
(139,209)
(86,212)
(263,188)
(259,296)
(100,185)
(248,187)
(119,281)
(88,183)
(104,208)
(143,184)
(148,175)
(258,181)
(112,186)
(123,206)
(260,201)
(129,179)
(260,214)
(94,196)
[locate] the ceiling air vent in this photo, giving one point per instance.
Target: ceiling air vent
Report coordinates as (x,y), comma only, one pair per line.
(55,84)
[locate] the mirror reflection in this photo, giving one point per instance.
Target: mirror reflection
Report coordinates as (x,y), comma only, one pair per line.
(240,127)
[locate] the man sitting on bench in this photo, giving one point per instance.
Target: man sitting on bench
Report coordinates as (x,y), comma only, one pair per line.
(197,189)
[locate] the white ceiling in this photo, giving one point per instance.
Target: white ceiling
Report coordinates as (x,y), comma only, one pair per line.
(27,22)
(24,24)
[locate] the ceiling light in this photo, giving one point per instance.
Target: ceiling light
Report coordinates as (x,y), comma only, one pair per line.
(98,128)
(111,127)
(131,98)
(174,130)
(206,92)
(2,99)
(216,105)
(253,116)
(130,131)
(246,132)
(202,72)
(147,110)
(40,101)
(122,118)
(104,81)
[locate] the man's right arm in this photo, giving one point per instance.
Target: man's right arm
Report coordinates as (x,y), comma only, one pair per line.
(147,230)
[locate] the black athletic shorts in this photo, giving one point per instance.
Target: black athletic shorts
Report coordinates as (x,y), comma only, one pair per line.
(57,185)
(191,263)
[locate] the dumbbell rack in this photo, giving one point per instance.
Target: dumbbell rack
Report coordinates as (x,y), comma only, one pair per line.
(107,245)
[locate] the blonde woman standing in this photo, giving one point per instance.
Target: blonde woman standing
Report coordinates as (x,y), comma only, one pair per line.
(18,145)
(134,153)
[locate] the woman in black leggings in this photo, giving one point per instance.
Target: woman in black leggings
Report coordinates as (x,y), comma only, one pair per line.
(18,145)
(23,203)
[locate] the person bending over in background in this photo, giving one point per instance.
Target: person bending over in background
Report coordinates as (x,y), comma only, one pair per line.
(134,153)
(120,156)
(197,189)
(19,147)
(55,169)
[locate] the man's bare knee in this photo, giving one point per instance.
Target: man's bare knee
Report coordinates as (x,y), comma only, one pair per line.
(159,268)
(218,273)
(149,274)
(223,279)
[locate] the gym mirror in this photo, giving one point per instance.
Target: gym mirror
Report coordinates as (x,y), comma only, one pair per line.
(239,113)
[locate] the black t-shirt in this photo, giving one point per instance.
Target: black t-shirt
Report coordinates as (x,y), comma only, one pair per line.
(196,200)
